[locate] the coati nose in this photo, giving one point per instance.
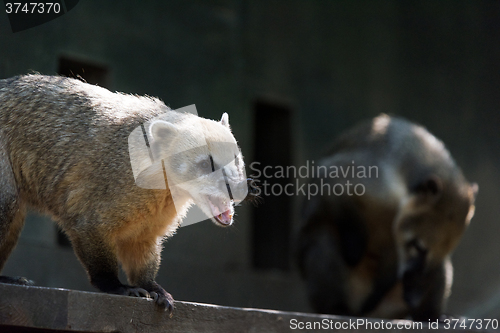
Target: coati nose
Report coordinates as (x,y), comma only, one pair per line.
(239,191)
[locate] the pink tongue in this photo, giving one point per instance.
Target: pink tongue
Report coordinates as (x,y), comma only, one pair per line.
(224,217)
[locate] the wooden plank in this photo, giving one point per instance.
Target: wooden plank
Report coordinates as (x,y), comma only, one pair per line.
(38,309)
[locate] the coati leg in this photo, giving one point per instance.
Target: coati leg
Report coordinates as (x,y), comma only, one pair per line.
(326,273)
(11,223)
(98,256)
(426,289)
(332,241)
(12,214)
(140,260)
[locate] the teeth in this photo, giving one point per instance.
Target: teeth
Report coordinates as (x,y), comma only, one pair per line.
(222,214)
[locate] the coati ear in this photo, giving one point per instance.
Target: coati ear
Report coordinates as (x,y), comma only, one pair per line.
(225,119)
(474,188)
(430,189)
(162,130)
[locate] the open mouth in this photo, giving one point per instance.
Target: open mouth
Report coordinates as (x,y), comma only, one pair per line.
(222,211)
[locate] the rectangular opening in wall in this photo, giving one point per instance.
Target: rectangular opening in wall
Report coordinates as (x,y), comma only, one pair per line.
(92,73)
(272,218)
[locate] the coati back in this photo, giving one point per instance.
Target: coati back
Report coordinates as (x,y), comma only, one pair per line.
(386,253)
(64,152)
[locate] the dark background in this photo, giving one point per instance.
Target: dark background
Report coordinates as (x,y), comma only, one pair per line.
(292,75)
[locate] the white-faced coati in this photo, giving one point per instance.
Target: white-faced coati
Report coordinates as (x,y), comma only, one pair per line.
(64,152)
(385,253)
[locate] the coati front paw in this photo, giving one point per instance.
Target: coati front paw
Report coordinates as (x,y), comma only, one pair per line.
(162,299)
(16,280)
(136,292)
(125,290)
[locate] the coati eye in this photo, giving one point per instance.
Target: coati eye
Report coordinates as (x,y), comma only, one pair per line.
(207,165)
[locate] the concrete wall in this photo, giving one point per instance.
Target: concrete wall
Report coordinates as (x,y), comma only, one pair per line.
(332,63)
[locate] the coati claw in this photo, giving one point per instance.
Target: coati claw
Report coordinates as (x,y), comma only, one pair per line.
(138,292)
(163,300)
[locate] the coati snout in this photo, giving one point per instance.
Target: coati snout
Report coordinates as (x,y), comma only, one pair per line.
(433,218)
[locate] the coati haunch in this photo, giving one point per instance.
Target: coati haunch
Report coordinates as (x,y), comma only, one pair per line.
(64,152)
(385,253)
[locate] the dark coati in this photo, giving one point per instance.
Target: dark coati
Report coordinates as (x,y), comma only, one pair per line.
(386,252)
(64,152)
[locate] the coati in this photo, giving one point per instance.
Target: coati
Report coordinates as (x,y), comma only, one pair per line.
(386,252)
(64,152)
